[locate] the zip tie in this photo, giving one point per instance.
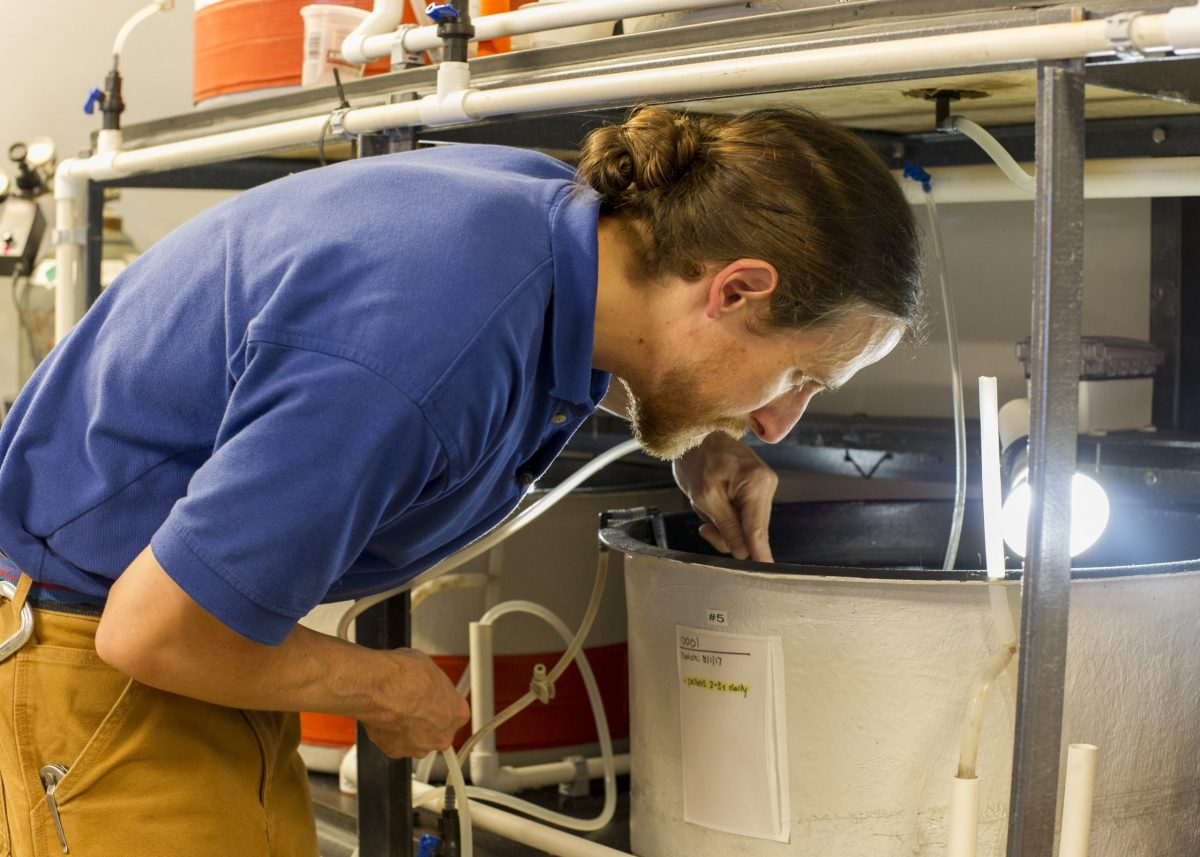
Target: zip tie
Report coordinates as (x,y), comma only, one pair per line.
(912,171)
(541,686)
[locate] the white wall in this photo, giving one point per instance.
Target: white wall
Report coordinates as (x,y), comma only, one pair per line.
(989,250)
(56,50)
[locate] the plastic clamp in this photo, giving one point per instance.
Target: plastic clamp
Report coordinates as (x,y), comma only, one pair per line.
(337,123)
(541,686)
(1119,32)
(69,236)
(581,784)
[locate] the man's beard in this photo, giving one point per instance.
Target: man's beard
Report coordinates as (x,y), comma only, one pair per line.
(674,418)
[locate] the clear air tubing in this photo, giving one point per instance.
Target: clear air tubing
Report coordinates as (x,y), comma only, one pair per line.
(960,414)
(496,536)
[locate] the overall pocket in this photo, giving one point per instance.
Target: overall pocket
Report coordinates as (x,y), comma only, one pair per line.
(64,699)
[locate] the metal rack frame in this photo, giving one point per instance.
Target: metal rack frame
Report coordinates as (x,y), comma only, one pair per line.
(1057,138)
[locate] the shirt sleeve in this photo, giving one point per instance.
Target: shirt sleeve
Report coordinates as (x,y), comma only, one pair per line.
(314,452)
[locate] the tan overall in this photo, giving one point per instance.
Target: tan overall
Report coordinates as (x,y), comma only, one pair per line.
(149,773)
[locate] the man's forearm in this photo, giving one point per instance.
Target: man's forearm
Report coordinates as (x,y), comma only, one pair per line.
(154,632)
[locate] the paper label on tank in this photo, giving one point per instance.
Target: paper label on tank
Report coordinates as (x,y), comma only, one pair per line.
(735,775)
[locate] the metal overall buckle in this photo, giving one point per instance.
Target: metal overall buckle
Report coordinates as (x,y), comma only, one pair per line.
(21,636)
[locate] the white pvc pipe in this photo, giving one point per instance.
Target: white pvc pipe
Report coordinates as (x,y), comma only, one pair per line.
(899,56)
(384,18)
(483,699)
(1077,800)
(989,449)
(522,830)
(532,19)
(963,826)
(69,298)
(1178,29)
(1103,178)
(553,773)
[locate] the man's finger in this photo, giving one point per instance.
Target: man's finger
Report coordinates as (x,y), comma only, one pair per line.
(756,521)
(725,519)
(712,535)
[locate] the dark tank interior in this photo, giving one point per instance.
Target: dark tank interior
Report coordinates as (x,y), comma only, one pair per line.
(907,538)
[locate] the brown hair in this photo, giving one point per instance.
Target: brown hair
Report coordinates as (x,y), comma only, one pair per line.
(781,185)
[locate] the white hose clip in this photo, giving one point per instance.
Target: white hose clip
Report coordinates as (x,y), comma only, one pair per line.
(1119,32)
(400,54)
(541,686)
(337,123)
(69,236)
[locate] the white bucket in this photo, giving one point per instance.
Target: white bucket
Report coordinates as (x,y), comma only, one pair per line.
(326,26)
(877,665)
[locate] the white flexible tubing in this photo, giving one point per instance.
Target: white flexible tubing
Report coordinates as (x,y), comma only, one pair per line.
(956,388)
(534,19)
(135,19)
(898,56)
(993,530)
(481,693)
(973,720)
(448,581)
(424,768)
(523,830)
(1006,162)
(455,778)
(1077,801)
(573,649)
(483,545)
(963,827)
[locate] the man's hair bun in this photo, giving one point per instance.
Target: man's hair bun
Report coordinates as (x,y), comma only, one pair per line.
(651,152)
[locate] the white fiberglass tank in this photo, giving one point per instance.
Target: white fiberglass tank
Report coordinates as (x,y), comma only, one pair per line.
(866,658)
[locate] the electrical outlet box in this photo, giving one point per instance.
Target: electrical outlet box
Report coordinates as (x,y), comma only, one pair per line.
(21,228)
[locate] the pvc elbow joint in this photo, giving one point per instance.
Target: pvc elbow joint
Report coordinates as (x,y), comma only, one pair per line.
(487,773)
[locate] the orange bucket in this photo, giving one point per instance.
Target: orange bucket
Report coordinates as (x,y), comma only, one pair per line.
(244,45)
(327,730)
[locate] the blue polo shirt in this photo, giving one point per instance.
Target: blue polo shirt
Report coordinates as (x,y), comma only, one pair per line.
(315,390)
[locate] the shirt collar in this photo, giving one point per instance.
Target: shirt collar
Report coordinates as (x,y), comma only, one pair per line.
(573,305)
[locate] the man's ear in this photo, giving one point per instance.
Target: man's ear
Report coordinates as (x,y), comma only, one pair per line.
(746,284)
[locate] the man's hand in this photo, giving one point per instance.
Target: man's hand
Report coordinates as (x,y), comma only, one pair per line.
(731,490)
(154,632)
(428,710)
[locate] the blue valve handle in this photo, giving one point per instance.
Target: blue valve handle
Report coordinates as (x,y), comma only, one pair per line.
(427,846)
(94,97)
(912,171)
(440,12)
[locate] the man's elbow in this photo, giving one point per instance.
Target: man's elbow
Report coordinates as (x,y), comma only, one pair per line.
(128,650)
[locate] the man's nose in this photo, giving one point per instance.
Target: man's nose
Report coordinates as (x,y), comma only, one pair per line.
(773,421)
